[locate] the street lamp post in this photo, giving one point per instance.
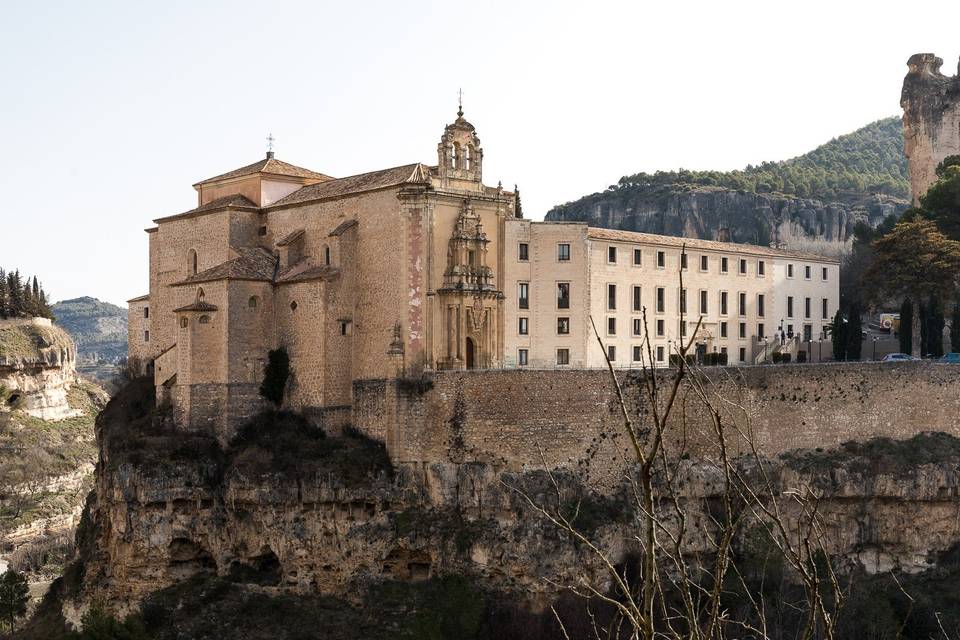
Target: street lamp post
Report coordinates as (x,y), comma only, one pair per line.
(875,338)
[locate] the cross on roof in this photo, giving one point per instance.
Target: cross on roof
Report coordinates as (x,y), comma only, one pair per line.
(270,141)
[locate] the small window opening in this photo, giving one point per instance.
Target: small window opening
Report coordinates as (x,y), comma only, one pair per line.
(293,306)
(204,320)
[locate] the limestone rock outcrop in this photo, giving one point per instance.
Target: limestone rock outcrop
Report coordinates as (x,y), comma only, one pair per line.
(701,211)
(931,119)
(37,367)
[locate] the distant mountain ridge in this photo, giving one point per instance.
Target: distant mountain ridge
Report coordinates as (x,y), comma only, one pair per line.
(812,201)
(99,328)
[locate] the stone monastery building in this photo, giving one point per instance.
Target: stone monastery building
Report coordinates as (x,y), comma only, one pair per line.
(424,266)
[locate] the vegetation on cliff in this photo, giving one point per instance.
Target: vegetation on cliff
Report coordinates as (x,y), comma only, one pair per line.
(22,297)
(849,169)
(98,328)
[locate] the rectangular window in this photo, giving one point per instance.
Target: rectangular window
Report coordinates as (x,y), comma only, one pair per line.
(823,274)
(760,305)
(661,259)
(612,255)
(704,263)
(637,255)
(523,326)
(346,327)
(743,354)
(807,332)
(611,296)
(611,326)
(743,304)
(723,329)
(522,357)
(660,354)
(724,267)
(723,303)
(637,353)
(743,330)
(683,329)
(660,328)
(703,302)
(611,353)
(761,268)
(563,295)
(806,307)
(146,312)
(524,295)
(789,306)
(563,252)
(806,272)
(524,251)
(789,270)
(683,261)
(636,298)
(790,330)
(563,326)
(823,309)
(743,267)
(760,329)
(563,356)
(637,326)
(683,300)
(661,303)
(146,336)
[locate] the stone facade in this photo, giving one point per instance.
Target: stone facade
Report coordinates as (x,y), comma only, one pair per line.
(395,271)
(931,119)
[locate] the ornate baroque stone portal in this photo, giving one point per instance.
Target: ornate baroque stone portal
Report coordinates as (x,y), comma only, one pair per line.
(469,297)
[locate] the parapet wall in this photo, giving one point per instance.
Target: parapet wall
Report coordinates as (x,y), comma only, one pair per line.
(521,419)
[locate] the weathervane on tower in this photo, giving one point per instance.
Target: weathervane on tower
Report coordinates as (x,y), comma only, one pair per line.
(459,103)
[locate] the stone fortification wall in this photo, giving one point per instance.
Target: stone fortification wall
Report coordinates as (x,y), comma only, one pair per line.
(571,418)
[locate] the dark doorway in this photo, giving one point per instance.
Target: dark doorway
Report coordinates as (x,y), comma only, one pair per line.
(471,362)
(701,352)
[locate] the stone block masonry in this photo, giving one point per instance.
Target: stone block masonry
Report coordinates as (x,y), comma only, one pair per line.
(523,419)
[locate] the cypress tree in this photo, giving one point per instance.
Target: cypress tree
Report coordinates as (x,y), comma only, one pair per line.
(15,285)
(839,336)
(906,326)
(935,324)
(854,332)
(3,295)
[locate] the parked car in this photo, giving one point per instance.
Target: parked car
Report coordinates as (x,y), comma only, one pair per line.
(897,357)
(952,357)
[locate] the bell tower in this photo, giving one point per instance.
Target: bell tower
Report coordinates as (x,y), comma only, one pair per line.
(459,155)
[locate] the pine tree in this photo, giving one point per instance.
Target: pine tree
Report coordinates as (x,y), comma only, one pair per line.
(15,286)
(906,326)
(838,334)
(854,332)
(14,595)
(4,295)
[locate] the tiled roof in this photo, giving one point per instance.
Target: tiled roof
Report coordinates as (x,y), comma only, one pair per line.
(303,271)
(199,305)
(290,237)
(146,296)
(252,264)
(355,184)
(268,165)
(343,226)
(615,235)
(234,200)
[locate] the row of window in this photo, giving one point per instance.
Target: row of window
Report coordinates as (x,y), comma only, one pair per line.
(563,300)
(563,255)
(563,328)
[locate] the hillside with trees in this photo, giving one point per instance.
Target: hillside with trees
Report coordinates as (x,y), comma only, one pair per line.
(22,297)
(99,329)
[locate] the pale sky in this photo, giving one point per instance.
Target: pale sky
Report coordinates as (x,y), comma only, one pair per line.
(111,110)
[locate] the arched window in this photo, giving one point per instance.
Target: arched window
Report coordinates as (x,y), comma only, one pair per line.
(204,320)
(468,158)
(253,302)
(452,152)
(457,157)
(183,323)
(192,261)
(200,293)
(326,255)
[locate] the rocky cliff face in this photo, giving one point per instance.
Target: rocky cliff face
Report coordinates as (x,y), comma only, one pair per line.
(701,211)
(37,361)
(931,119)
(335,518)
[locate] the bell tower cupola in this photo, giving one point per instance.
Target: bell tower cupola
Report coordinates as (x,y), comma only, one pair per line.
(460,156)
